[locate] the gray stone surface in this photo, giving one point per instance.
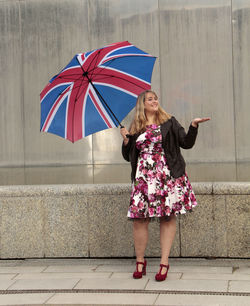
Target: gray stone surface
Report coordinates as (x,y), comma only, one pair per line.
(25,299)
(238,237)
(203,232)
(110,233)
(66,226)
(239,286)
(22,222)
(116,274)
(91,221)
(231,188)
(202,187)
(198,300)
(189,285)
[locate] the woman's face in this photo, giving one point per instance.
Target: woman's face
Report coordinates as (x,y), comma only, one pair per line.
(151,103)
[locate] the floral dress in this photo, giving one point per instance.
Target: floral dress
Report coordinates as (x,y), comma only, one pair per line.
(155,193)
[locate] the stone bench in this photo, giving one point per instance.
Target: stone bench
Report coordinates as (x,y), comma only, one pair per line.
(90,221)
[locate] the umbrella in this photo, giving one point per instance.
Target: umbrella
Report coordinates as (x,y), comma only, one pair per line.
(95,91)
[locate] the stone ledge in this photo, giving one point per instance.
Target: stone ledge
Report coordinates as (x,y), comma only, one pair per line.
(237,188)
(63,190)
(90,221)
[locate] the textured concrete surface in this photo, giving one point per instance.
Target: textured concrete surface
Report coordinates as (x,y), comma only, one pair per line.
(110,233)
(66,226)
(22,227)
(204,231)
(91,221)
(238,212)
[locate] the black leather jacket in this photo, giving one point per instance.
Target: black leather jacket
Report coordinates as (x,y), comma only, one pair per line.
(173,137)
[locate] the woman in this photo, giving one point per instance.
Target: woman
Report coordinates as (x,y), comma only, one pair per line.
(160,185)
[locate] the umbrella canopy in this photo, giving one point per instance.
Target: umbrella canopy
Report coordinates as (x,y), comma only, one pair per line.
(95,91)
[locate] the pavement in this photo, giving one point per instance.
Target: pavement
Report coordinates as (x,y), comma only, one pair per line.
(109,282)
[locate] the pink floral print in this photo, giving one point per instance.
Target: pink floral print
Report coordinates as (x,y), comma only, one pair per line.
(155,193)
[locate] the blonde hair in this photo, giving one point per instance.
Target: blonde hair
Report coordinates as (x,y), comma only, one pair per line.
(139,122)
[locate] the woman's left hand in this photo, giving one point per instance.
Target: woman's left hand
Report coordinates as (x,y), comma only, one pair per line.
(196,121)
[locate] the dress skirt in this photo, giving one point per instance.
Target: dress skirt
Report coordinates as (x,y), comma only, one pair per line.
(155,193)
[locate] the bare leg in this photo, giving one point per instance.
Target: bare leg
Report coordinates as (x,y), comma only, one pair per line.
(167,234)
(140,231)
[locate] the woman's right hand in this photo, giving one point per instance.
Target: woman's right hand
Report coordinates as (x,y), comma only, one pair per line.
(124,132)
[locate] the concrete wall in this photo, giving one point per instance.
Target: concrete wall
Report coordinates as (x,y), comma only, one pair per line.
(202,70)
(90,221)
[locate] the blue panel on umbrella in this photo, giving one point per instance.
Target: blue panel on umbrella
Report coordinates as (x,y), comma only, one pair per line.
(49,100)
(121,103)
(128,50)
(140,67)
(93,120)
(57,125)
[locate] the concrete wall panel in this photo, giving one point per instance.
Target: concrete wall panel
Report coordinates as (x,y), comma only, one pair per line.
(11,86)
(241,46)
(196,73)
(201,70)
(52,33)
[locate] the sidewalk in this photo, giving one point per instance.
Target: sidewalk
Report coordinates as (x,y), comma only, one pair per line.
(110,282)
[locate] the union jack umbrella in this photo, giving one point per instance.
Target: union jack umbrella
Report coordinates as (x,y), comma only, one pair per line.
(95,91)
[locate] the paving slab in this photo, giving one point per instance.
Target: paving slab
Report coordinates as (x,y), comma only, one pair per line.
(71,268)
(6,283)
(201,300)
(24,299)
(103,298)
(7,276)
(239,286)
(189,285)
(21,269)
(24,284)
(149,275)
(10,263)
(112,284)
(82,275)
(243,270)
(227,276)
(200,269)
(116,268)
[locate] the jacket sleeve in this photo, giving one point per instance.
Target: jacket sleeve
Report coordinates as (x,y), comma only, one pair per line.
(186,140)
(126,150)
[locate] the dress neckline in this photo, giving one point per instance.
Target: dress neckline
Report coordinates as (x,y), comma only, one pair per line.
(153,124)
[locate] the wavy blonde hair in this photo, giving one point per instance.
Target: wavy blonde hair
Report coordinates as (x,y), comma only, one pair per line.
(138,124)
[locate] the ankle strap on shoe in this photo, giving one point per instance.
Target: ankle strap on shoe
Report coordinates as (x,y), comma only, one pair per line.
(140,263)
(165,266)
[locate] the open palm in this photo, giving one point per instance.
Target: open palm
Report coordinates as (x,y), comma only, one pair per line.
(196,121)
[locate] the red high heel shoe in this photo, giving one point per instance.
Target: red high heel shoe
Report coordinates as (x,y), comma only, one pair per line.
(138,274)
(161,277)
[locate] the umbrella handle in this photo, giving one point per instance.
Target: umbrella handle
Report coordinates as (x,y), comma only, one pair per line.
(127,135)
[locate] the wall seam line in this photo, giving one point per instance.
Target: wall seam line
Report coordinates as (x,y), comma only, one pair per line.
(22,83)
(233,89)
